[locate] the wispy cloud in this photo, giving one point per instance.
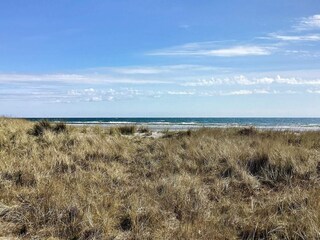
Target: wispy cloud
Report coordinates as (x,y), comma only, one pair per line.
(313,37)
(181,92)
(239,92)
(308,23)
(139,70)
(111,94)
(94,94)
(151,70)
(246,92)
(313,91)
(239,79)
(243,80)
(74,78)
(97,95)
(146,82)
(258,92)
(241,49)
(205,49)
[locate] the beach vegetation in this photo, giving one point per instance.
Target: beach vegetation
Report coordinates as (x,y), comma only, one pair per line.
(144,129)
(40,127)
(127,129)
(84,183)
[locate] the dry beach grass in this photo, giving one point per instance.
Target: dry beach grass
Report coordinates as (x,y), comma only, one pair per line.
(64,182)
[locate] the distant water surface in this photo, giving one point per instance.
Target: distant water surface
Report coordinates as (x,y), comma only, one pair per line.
(296,124)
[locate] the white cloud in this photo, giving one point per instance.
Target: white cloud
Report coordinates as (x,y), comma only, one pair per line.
(238,51)
(184,75)
(204,49)
(74,78)
(203,82)
(185,80)
(98,95)
(245,92)
(90,95)
(238,79)
(261,91)
(313,37)
(139,70)
(219,49)
(42,77)
(243,80)
(313,91)
(181,92)
(295,81)
(149,70)
(117,94)
(94,99)
(290,92)
(309,23)
(162,74)
(264,80)
(239,92)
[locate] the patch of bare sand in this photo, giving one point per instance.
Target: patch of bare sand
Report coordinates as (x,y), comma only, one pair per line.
(153,134)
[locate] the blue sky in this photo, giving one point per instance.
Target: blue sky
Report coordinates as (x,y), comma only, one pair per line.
(159,58)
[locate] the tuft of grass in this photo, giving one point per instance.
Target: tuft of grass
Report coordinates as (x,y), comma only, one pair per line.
(42,126)
(127,130)
(84,183)
(20,178)
(59,127)
(143,129)
(248,131)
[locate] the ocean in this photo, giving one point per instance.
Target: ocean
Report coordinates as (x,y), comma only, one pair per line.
(158,124)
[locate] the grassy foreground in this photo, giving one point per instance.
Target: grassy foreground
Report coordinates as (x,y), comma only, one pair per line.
(59,182)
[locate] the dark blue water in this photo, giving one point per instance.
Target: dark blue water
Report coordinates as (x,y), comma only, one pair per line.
(187,123)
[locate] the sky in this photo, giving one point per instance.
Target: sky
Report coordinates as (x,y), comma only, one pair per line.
(160,58)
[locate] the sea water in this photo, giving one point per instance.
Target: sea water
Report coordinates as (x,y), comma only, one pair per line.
(296,124)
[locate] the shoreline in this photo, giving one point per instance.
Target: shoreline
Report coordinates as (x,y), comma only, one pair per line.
(186,127)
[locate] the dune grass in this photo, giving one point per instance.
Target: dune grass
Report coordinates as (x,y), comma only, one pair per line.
(124,130)
(64,182)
